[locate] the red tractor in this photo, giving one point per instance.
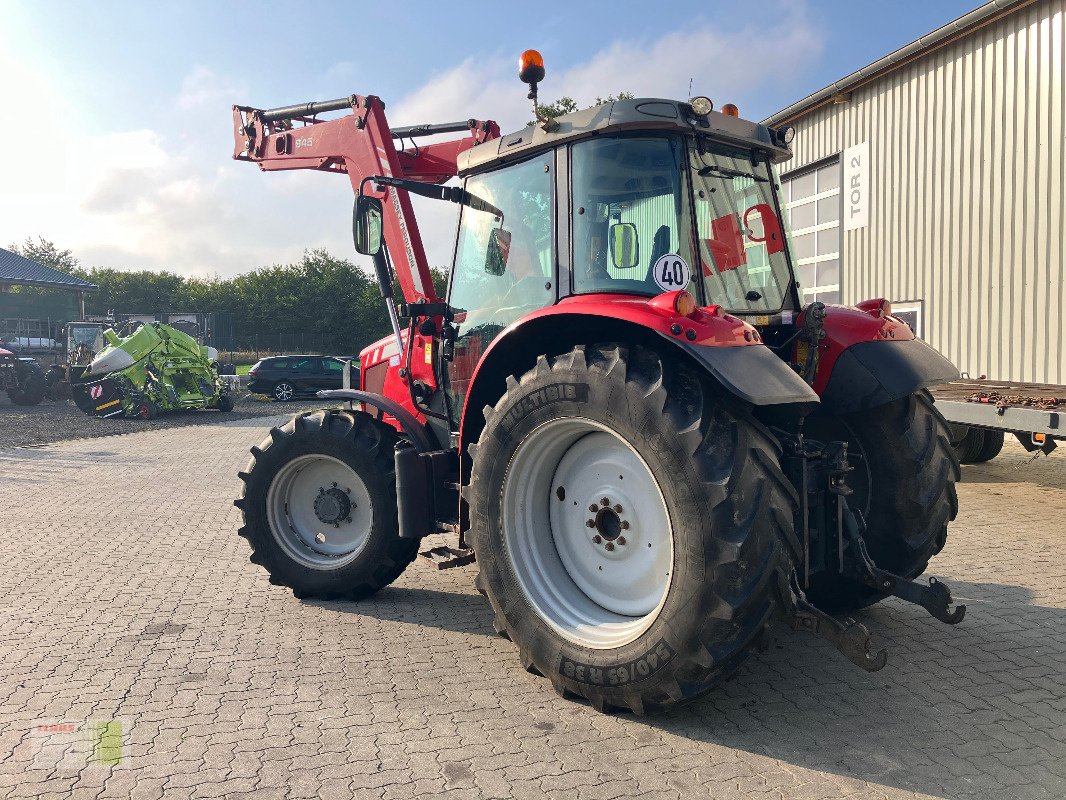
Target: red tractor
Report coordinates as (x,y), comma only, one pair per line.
(621,409)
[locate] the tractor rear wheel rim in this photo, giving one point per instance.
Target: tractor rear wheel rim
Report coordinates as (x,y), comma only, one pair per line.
(304,505)
(587,532)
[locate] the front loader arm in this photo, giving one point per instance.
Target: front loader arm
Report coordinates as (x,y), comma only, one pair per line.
(361,145)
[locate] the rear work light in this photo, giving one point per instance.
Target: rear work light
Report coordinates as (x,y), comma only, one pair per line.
(679,302)
(878,307)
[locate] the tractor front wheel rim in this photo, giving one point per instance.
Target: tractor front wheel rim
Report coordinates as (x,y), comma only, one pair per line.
(320,512)
(588,533)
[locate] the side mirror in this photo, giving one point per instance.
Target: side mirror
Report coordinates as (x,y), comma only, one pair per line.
(625,246)
(498,250)
(366,225)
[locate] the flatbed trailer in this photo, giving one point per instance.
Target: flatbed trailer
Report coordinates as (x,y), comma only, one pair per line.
(982,411)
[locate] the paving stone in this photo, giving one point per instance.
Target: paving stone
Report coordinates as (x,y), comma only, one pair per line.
(140,605)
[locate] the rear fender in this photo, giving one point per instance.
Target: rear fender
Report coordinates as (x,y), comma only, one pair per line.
(724,346)
(868,360)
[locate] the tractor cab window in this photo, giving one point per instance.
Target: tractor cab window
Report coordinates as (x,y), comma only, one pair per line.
(629,214)
(504,263)
(741,238)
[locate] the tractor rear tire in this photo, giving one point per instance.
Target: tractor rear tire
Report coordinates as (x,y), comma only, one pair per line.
(319,506)
(31,387)
(632,528)
(990,447)
(904,486)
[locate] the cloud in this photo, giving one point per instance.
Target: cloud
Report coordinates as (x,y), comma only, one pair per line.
(169,196)
(728,66)
(723,65)
(203,87)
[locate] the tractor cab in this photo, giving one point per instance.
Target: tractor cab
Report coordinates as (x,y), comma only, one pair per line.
(630,199)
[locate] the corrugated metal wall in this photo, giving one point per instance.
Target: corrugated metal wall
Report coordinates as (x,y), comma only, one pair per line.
(968,193)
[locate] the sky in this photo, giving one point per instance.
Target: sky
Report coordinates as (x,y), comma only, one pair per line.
(119,141)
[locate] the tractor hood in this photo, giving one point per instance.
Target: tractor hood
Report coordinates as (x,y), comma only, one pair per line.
(650,114)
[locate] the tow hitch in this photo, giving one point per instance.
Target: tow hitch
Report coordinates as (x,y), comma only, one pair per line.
(934,597)
(832,534)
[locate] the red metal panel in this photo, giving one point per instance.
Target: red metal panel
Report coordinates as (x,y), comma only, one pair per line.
(845,326)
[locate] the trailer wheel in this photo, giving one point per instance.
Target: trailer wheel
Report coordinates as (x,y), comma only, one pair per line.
(631,529)
(969,448)
(991,447)
(319,506)
(225,403)
(31,386)
(904,484)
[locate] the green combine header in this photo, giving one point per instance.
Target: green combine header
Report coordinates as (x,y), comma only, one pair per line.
(154,368)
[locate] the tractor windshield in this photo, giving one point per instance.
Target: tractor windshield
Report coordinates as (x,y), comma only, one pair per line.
(741,241)
(634,227)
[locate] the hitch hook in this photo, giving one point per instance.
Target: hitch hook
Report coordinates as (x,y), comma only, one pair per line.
(850,638)
(934,598)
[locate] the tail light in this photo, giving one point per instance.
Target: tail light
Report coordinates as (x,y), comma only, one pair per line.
(878,307)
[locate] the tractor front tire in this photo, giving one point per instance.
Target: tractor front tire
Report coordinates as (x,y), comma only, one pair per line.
(319,506)
(632,528)
(904,485)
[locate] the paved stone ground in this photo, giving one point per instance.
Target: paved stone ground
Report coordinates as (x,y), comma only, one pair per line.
(127,595)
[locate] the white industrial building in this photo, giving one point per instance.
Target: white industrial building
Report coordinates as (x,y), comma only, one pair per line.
(935,177)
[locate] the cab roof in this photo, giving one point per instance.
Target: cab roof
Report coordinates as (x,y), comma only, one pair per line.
(642,113)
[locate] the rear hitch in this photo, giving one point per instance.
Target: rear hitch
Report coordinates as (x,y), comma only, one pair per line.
(934,597)
(849,637)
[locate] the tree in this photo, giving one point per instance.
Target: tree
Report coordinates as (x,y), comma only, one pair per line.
(45,252)
(567,105)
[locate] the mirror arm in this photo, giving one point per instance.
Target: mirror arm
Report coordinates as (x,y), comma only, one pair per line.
(456,194)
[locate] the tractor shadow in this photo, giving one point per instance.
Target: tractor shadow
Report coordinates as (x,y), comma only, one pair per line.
(453,611)
(975,710)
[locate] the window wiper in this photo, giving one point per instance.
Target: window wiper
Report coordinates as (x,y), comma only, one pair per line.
(726,172)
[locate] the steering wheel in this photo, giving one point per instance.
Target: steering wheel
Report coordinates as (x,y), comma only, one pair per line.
(513,297)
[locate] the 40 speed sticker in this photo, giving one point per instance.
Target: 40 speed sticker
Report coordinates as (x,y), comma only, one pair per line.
(671,272)
(636,670)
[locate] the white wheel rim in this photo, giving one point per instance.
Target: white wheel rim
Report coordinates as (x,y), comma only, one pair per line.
(283,391)
(602,584)
(306,505)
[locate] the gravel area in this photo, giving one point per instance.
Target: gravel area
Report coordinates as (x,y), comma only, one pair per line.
(22,426)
